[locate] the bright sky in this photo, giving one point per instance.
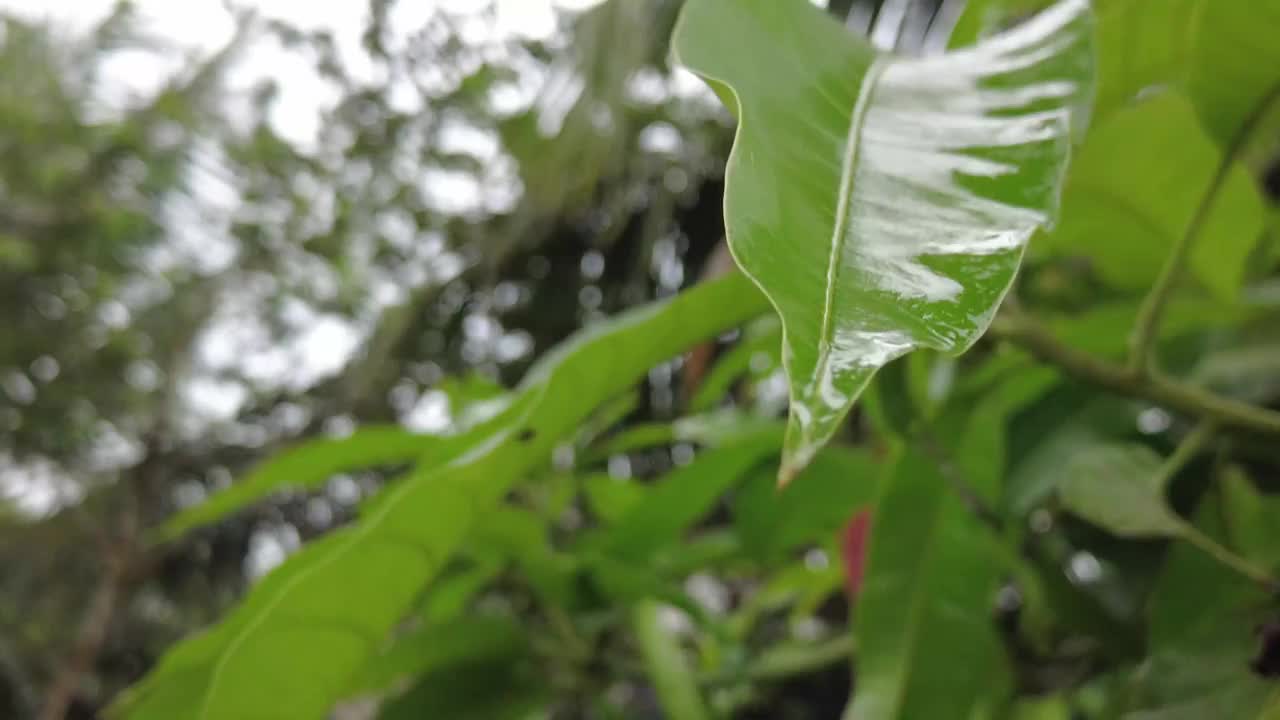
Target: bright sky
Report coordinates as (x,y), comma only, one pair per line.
(207,25)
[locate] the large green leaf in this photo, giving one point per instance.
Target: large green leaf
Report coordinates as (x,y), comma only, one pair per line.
(1223,51)
(292,646)
(882,203)
(1134,189)
(930,583)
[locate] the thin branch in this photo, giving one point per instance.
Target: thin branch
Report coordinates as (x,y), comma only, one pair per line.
(91,636)
(1150,314)
(1154,387)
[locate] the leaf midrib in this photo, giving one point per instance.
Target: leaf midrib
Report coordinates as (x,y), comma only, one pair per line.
(839,234)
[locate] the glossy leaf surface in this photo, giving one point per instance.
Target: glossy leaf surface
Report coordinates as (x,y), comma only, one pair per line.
(882,203)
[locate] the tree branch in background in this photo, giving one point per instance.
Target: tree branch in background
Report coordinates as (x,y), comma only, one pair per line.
(1013,327)
(95,623)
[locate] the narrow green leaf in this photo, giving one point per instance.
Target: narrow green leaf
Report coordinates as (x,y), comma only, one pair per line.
(665,664)
(610,498)
(295,642)
(882,203)
(1134,188)
(684,496)
(755,354)
(460,641)
(1121,489)
(931,578)
(810,508)
(303,466)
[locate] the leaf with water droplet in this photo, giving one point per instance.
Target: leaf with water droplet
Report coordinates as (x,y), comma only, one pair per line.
(882,203)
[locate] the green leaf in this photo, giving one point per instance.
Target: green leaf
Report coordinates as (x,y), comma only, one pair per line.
(500,690)
(1120,488)
(755,355)
(1134,189)
(1223,51)
(810,508)
(684,496)
(926,601)
(303,466)
(428,648)
(1253,518)
(610,498)
(1202,618)
(666,666)
(295,642)
(882,203)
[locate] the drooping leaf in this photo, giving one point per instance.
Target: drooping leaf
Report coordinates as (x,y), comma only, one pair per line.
(929,584)
(882,203)
(295,642)
(1134,188)
(1121,489)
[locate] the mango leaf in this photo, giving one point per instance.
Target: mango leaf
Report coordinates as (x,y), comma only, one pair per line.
(1120,488)
(289,649)
(1134,189)
(930,582)
(882,203)
(303,466)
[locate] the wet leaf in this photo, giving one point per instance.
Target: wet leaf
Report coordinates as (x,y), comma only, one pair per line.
(882,203)
(1120,488)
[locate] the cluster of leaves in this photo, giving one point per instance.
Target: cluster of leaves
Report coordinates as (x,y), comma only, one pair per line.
(1072,519)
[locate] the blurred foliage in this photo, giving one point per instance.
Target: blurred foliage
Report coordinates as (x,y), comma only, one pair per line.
(193,293)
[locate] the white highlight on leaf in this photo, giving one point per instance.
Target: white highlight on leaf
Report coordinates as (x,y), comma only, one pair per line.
(926,177)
